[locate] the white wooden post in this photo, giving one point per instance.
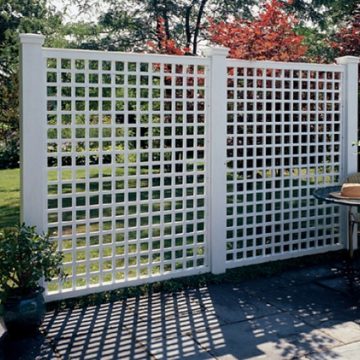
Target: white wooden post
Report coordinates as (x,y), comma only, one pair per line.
(216,143)
(350,113)
(33,131)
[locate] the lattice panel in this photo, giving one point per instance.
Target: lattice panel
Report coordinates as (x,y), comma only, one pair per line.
(126,167)
(284,134)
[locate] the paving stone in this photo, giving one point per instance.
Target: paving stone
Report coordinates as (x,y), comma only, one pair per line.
(258,337)
(306,300)
(332,318)
(302,275)
(232,304)
(346,332)
(69,323)
(315,342)
(176,347)
(2,327)
(310,274)
(171,326)
(165,319)
(311,318)
(298,346)
(95,332)
(169,305)
(345,352)
(107,342)
(355,262)
(268,283)
(347,285)
(32,347)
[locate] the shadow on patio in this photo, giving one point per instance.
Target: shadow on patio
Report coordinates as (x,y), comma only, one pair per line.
(310,312)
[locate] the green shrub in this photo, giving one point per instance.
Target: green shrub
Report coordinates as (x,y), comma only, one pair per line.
(9,154)
(25,258)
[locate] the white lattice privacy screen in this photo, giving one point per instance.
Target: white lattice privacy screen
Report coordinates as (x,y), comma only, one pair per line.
(145,167)
(284,125)
(126,166)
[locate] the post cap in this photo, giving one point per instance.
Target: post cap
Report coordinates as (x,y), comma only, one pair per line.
(348,60)
(216,51)
(36,39)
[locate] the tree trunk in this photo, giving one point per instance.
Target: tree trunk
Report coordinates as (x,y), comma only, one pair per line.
(187,25)
(198,23)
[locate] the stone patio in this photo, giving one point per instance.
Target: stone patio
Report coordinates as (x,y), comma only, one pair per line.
(310,313)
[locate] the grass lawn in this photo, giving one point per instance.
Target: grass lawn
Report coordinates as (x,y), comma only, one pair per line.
(9,197)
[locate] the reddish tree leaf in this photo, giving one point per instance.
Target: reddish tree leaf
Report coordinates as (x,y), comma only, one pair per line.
(164,44)
(347,40)
(270,36)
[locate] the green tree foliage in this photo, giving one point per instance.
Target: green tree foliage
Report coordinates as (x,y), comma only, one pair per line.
(347,38)
(347,42)
(323,14)
(83,35)
(17,16)
(318,43)
(129,24)
(320,21)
